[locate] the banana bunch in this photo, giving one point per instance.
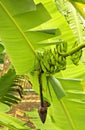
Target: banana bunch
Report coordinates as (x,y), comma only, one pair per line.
(76,57)
(50,59)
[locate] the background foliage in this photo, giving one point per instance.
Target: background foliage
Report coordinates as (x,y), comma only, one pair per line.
(28,27)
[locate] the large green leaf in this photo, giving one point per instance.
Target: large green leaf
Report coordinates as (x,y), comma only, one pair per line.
(17,44)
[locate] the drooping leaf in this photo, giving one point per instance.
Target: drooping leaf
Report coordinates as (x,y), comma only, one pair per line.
(7,92)
(57,87)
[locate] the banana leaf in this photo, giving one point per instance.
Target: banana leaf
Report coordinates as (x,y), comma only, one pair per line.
(80,1)
(6,81)
(6,89)
(73,19)
(4,107)
(80,6)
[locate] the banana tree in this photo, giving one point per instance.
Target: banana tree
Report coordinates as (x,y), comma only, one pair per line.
(44,39)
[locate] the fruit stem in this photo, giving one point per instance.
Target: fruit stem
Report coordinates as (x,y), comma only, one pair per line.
(40,86)
(73,50)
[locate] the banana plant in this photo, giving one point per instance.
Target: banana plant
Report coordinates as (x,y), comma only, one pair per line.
(39,41)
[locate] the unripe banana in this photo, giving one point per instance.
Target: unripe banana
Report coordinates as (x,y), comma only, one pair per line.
(50,59)
(52,69)
(65,46)
(61,47)
(76,57)
(56,55)
(43,67)
(45,61)
(58,48)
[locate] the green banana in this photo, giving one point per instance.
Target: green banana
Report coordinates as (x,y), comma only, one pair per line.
(54,60)
(76,56)
(46,65)
(50,59)
(44,69)
(52,68)
(65,46)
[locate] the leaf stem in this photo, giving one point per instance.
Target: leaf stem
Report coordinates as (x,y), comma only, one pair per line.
(73,50)
(67,115)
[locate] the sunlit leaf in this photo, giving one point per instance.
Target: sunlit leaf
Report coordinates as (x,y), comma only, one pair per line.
(80,6)
(28,5)
(80,1)
(12,34)
(12,123)
(4,107)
